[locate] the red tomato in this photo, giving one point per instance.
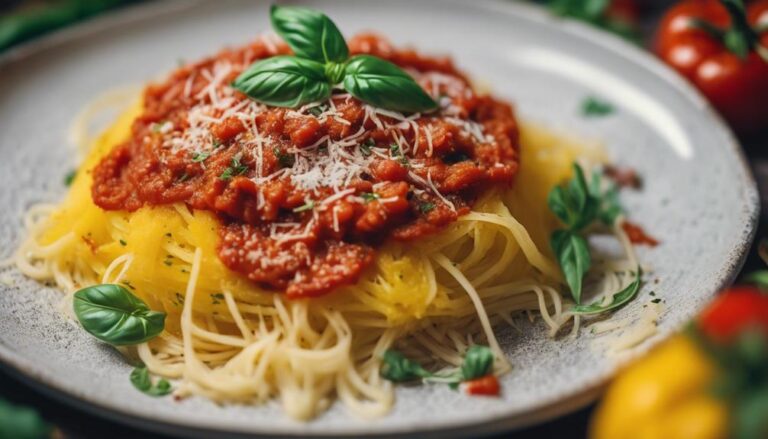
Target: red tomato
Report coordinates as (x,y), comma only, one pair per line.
(737,87)
(736,309)
(487,386)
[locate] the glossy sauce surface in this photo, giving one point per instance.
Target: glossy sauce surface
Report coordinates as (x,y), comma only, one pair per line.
(306,195)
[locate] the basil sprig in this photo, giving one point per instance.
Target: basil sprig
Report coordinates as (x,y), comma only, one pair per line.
(112,314)
(141,380)
(578,205)
(311,34)
(478,362)
(322,61)
(398,368)
(617,301)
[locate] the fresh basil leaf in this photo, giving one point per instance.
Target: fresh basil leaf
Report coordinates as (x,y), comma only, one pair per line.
(478,362)
(21,422)
(284,81)
(609,206)
(385,85)
(112,314)
(398,368)
(142,381)
(573,204)
(618,300)
(311,34)
(572,253)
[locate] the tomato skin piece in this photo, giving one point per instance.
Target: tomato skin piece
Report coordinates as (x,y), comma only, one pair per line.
(637,235)
(737,87)
(483,386)
(738,308)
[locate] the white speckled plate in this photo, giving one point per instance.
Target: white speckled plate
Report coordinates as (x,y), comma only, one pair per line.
(699,197)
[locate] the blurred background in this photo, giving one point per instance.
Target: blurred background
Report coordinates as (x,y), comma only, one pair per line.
(739,91)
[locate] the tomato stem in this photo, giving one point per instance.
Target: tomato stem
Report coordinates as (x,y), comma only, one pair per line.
(740,38)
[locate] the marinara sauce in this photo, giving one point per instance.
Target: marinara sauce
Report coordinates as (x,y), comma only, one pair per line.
(306,195)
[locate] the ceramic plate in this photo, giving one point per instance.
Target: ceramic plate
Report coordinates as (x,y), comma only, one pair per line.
(698,199)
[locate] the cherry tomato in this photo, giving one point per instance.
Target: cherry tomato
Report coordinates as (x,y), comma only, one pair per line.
(736,86)
(486,386)
(736,309)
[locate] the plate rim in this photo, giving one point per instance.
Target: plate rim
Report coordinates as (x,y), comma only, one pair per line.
(23,370)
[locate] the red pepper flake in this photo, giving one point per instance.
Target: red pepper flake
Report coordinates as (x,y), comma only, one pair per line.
(90,243)
(637,235)
(485,386)
(623,177)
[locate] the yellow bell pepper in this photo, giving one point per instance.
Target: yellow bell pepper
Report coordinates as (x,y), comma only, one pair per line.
(665,395)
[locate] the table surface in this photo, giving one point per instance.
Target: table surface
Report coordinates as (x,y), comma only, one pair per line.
(77,423)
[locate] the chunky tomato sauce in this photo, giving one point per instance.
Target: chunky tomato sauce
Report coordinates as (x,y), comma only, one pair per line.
(306,195)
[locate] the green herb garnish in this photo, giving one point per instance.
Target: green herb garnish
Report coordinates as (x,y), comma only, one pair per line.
(112,314)
(69,178)
(594,107)
(397,153)
(578,206)
(322,61)
(365,147)
(369,196)
(284,159)
(122,242)
(426,207)
(478,362)
(141,380)
(317,110)
(235,168)
(309,205)
(198,157)
(618,300)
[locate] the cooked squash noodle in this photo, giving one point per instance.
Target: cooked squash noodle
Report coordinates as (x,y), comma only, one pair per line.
(231,341)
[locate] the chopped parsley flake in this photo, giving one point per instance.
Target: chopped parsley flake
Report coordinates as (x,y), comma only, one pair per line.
(122,242)
(426,207)
(365,147)
(69,178)
(318,110)
(369,196)
(235,168)
(656,300)
(157,127)
(594,107)
(309,205)
(395,152)
(198,157)
(286,160)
